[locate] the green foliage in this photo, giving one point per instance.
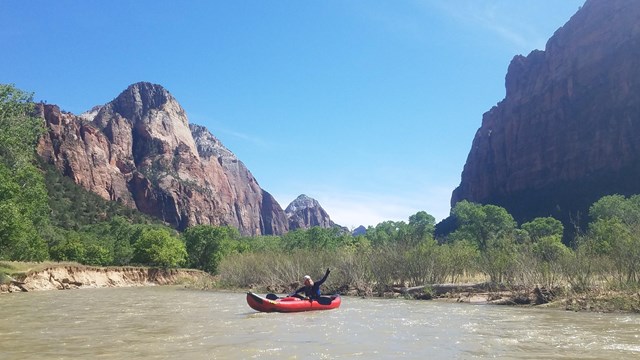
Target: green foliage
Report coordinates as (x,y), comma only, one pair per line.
(421,227)
(19,129)
(583,265)
(315,238)
(96,254)
(23,198)
(71,248)
(550,248)
(73,207)
(482,224)
(207,245)
(264,243)
(423,264)
(159,247)
(627,211)
(540,228)
(388,232)
(615,232)
(117,236)
(498,260)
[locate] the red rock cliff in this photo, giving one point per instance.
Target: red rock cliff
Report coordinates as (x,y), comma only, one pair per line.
(568,130)
(140,150)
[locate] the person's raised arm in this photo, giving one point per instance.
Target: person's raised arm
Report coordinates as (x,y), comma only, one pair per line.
(319,282)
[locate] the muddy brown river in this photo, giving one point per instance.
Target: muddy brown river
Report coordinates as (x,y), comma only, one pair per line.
(175,323)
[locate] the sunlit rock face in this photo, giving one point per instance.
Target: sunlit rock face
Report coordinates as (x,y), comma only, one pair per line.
(140,149)
(305,212)
(568,130)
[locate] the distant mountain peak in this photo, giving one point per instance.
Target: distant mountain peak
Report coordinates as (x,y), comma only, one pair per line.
(302,202)
(360,230)
(305,212)
(139,98)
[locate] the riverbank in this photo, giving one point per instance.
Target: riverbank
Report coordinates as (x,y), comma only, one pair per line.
(593,300)
(27,277)
(485,293)
(54,276)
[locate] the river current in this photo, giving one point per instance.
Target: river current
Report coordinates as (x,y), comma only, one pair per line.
(175,323)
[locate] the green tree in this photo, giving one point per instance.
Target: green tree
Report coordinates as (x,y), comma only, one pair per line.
(614,232)
(158,247)
(19,129)
(71,248)
(116,236)
(316,238)
(542,227)
(207,245)
(421,227)
(627,211)
(620,242)
(263,243)
(387,232)
(23,197)
(482,223)
(492,229)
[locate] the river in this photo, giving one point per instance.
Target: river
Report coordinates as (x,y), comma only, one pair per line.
(175,323)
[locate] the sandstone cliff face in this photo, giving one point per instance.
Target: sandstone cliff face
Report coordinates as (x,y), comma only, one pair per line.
(141,150)
(568,130)
(305,212)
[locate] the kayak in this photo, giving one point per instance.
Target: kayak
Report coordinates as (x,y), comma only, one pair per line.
(291,303)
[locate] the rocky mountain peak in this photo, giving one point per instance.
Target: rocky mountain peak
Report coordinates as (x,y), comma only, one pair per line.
(305,212)
(139,149)
(302,202)
(138,99)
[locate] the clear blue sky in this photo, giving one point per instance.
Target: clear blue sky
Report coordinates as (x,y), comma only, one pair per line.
(368,106)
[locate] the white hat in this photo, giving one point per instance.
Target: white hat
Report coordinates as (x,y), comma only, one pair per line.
(307,277)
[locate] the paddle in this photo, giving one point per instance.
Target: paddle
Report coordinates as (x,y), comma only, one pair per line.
(324,300)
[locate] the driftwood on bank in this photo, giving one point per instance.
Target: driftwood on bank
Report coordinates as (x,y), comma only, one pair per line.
(494,293)
(441,289)
(19,285)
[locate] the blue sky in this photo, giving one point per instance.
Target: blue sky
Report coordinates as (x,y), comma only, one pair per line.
(368,106)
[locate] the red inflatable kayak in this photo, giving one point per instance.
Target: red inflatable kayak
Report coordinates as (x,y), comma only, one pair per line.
(292,304)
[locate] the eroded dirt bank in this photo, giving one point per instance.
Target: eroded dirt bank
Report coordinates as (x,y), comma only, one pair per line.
(75,277)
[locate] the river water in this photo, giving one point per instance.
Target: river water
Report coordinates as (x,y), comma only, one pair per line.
(175,323)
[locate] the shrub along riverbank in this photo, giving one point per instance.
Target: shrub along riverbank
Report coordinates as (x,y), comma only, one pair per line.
(516,265)
(373,272)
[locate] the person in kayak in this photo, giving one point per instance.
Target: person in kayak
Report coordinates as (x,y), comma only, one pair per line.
(311,288)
